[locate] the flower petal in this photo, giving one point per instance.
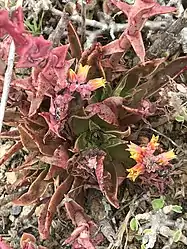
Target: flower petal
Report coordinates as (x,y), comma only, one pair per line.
(135,171)
(153,144)
(72,77)
(164,158)
(136,152)
(96,83)
(82,73)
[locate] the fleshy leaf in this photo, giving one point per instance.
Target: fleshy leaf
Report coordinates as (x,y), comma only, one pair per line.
(158,203)
(103,111)
(36,190)
(4,245)
(31,50)
(60,158)
(137,14)
(27,241)
(16,147)
(46,215)
(107,180)
(84,236)
(75,45)
(134,224)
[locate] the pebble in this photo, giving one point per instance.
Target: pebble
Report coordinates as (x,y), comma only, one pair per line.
(25,211)
(12,218)
(16,210)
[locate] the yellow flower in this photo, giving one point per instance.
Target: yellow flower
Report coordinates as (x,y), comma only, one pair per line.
(96,83)
(135,151)
(82,73)
(80,76)
(153,144)
(135,171)
(165,157)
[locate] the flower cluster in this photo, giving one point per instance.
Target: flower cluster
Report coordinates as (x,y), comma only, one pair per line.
(78,81)
(146,160)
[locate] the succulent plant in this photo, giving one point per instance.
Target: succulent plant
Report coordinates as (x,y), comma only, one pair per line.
(73,121)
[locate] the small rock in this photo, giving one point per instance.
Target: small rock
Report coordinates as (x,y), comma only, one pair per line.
(16,210)
(39,209)
(25,211)
(12,218)
(11,177)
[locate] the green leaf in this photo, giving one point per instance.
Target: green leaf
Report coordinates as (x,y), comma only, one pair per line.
(106,92)
(93,126)
(147,231)
(111,140)
(179,118)
(177,235)
(79,124)
(143,246)
(134,224)
(157,203)
(81,142)
(177,209)
(119,153)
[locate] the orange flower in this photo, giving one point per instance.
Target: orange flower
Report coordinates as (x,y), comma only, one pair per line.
(96,83)
(136,152)
(135,171)
(153,144)
(72,77)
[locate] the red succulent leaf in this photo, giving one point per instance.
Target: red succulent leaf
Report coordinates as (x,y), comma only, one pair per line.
(137,44)
(31,50)
(145,109)
(41,221)
(59,159)
(84,236)
(41,90)
(137,14)
(25,84)
(35,191)
(53,172)
(48,213)
(54,125)
(115,104)
(27,139)
(4,245)
(118,46)
(4,47)
(34,140)
(14,148)
(27,241)
(11,134)
(107,181)
(57,67)
(58,111)
(57,58)
(29,161)
(103,111)
(35,52)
